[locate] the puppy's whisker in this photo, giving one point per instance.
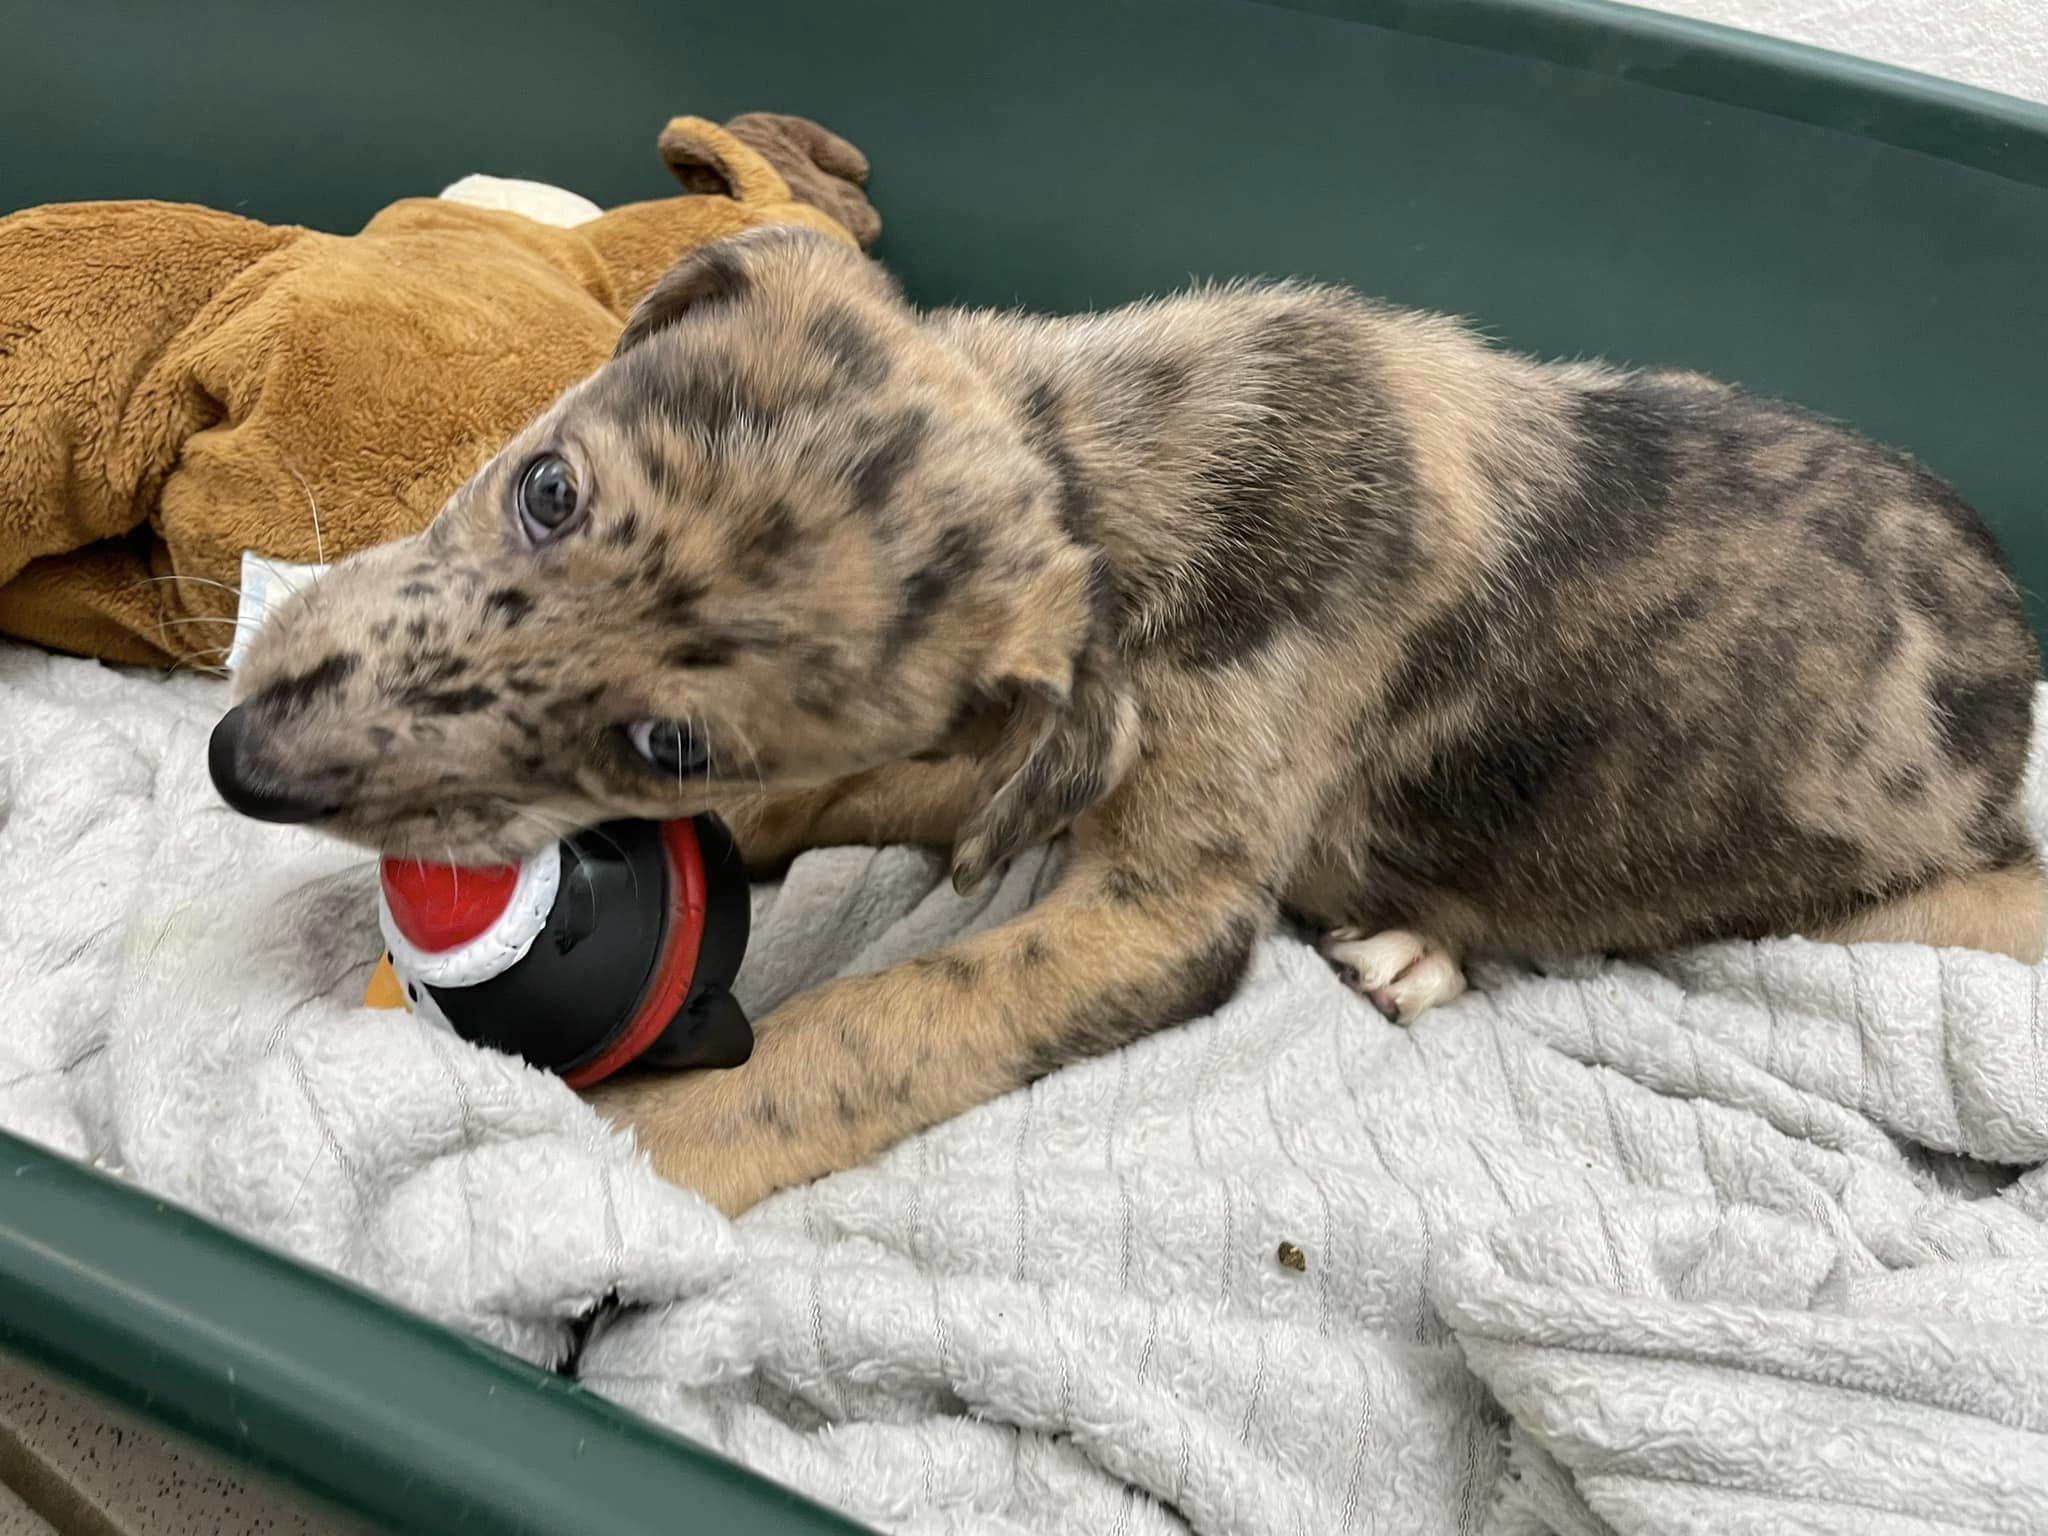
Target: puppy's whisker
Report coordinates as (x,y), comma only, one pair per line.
(747,747)
(198,663)
(319,540)
(313,507)
(197,581)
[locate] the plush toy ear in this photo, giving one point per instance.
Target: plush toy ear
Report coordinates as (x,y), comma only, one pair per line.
(821,168)
(707,159)
(1071,734)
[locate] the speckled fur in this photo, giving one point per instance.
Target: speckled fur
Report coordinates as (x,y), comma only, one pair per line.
(1279,600)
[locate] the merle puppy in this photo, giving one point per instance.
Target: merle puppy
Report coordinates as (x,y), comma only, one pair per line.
(1274,598)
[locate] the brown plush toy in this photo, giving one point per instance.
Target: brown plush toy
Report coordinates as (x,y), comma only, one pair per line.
(179,385)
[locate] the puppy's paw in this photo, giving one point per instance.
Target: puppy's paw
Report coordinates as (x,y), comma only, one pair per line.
(1403,973)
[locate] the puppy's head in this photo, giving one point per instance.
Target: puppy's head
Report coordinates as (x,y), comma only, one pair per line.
(784,535)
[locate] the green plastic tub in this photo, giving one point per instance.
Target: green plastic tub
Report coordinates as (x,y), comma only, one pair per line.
(1577,176)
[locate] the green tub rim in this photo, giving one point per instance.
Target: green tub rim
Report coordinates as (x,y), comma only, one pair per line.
(1964,124)
(214,1341)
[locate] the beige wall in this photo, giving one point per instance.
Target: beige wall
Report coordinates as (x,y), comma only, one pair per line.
(2001,45)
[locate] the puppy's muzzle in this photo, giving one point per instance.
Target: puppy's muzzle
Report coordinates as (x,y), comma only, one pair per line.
(246,783)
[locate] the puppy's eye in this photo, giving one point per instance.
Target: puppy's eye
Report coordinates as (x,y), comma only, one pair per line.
(669,747)
(547,497)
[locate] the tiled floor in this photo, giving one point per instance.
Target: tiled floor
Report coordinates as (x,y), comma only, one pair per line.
(17,1519)
(70,1468)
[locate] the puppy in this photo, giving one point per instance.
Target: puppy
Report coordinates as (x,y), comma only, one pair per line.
(1276,599)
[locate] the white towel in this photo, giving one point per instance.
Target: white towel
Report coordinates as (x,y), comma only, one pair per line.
(1755,1239)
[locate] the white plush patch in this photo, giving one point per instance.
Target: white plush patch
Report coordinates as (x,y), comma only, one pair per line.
(536,200)
(266,583)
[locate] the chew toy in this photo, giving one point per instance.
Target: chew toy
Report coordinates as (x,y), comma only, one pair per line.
(612,947)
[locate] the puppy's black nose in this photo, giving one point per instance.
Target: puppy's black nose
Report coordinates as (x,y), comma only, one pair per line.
(228,761)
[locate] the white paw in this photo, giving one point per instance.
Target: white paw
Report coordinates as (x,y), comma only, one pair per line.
(1403,973)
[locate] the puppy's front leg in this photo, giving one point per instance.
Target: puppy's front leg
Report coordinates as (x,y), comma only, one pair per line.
(907,802)
(847,1069)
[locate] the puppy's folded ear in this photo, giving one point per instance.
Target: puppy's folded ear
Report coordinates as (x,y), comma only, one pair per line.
(785,258)
(714,275)
(1072,731)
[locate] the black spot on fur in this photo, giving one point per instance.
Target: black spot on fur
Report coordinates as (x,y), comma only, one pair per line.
(719,278)
(524,685)
(767,546)
(958,969)
(770,1116)
(1620,501)
(2000,839)
(417,591)
(623,530)
(1476,795)
(381,738)
(1203,982)
(710,651)
(956,556)
(1842,530)
(1443,655)
(661,467)
(434,667)
(448,701)
(1033,952)
(1161,384)
(1129,887)
(292,695)
(1981,717)
(675,600)
(821,683)
(882,467)
(1297,519)
(575,704)
(1925,591)
(1907,784)
(708,397)
(1043,433)
(417,628)
(1850,742)
(854,354)
(382,630)
(1616,504)
(509,605)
